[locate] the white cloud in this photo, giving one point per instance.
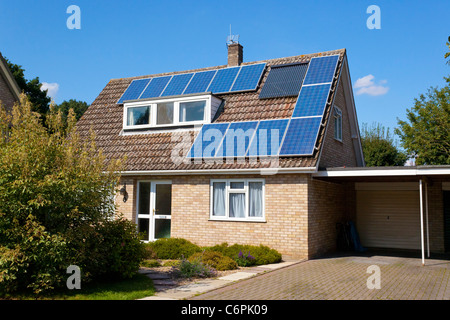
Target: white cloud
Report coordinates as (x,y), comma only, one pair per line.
(52,89)
(366,85)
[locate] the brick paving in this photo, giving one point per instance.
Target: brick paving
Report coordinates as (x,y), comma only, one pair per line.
(344,278)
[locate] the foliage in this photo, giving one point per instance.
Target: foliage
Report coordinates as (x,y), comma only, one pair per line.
(425,134)
(379,147)
(150,263)
(32,88)
(245,260)
(215,260)
(55,204)
(194,269)
(173,248)
(78,107)
(447,54)
(261,253)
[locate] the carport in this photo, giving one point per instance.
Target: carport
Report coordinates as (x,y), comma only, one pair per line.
(405,208)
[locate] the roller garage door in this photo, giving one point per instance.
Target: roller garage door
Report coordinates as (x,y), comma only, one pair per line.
(388,215)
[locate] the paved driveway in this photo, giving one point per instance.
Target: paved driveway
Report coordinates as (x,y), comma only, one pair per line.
(344,278)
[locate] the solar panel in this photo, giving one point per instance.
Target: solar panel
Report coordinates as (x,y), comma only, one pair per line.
(284,81)
(248,78)
(301,136)
(237,139)
(312,101)
(155,87)
(177,84)
(321,70)
(134,90)
(267,138)
(208,140)
(223,80)
(200,82)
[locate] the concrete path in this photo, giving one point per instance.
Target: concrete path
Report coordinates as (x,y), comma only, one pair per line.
(344,278)
(167,290)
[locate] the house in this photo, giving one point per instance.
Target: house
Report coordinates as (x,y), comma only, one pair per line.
(265,152)
(9,90)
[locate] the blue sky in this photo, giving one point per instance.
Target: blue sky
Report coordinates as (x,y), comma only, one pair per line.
(119,38)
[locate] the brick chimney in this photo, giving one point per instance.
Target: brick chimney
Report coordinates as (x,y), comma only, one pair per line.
(235,54)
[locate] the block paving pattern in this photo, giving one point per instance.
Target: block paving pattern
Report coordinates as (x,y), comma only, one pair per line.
(344,278)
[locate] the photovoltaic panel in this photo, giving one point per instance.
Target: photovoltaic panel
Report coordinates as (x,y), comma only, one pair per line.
(267,138)
(223,80)
(200,82)
(321,70)
(177,84)
(301,136)
(284,81)
(312,101)
(208,140)
(155,87)
(237,139)
(134,90)
(248,78)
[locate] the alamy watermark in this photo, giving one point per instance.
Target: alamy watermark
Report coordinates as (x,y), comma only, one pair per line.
(74,281)
(374,20)
(74,20)
(374,280)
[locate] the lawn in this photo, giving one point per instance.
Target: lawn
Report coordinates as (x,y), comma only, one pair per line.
(139,286)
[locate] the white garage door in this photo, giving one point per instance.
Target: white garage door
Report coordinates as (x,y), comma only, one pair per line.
(388,215)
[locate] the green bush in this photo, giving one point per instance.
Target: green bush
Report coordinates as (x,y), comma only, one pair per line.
(173,248)
(150,263)
(194,269)
(215,260)
(262,254)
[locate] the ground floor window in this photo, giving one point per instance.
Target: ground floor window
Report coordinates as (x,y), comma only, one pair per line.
(237,199)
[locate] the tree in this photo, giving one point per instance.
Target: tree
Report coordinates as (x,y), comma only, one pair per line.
(55,205)
(78,107)
(447,54)
(32,88)
(379,147)
(426,132)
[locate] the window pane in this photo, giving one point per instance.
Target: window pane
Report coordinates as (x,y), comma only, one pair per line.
(192,111)
(144,198)
(164,113)
(163,199)
(237,185)
(138,116)
(143,228)
(237,205)
(256,199)
(162,228)
(219,198)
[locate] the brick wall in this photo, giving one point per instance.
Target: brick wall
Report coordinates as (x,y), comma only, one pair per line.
(336,153)
(6,96)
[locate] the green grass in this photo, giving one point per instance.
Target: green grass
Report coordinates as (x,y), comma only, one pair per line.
(139,286)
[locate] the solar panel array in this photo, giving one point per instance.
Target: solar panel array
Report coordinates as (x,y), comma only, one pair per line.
(284,81)
(220,81)
(296,136)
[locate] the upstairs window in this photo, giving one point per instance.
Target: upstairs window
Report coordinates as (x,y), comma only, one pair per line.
(337,124)
(169,112)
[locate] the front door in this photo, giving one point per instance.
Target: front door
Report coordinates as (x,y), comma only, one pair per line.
(154,204)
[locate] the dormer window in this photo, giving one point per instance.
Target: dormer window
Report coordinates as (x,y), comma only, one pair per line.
(180,111)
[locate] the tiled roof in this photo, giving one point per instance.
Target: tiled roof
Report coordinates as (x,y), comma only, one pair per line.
(153,151)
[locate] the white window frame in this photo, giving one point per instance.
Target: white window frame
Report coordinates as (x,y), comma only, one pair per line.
(245,190)
(337,124)
(176,112)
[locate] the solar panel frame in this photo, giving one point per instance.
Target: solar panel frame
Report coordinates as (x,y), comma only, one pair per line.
(200,78)
(193,154)
(225,151)
(300,129)
(248,78)
(312,100)
(177,84)
(134,90)
(155,87)
(321,70)
(254,149)
(218,85)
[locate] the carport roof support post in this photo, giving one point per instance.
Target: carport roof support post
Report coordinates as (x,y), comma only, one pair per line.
(421,222)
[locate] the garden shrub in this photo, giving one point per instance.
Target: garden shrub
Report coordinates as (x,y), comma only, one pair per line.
(194,269)
(262,254)
(150,263)
(173,248)
(215,260)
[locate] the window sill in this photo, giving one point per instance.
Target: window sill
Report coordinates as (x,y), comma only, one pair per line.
(237,220)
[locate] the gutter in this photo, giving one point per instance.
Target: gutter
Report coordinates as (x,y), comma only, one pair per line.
(262,171)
